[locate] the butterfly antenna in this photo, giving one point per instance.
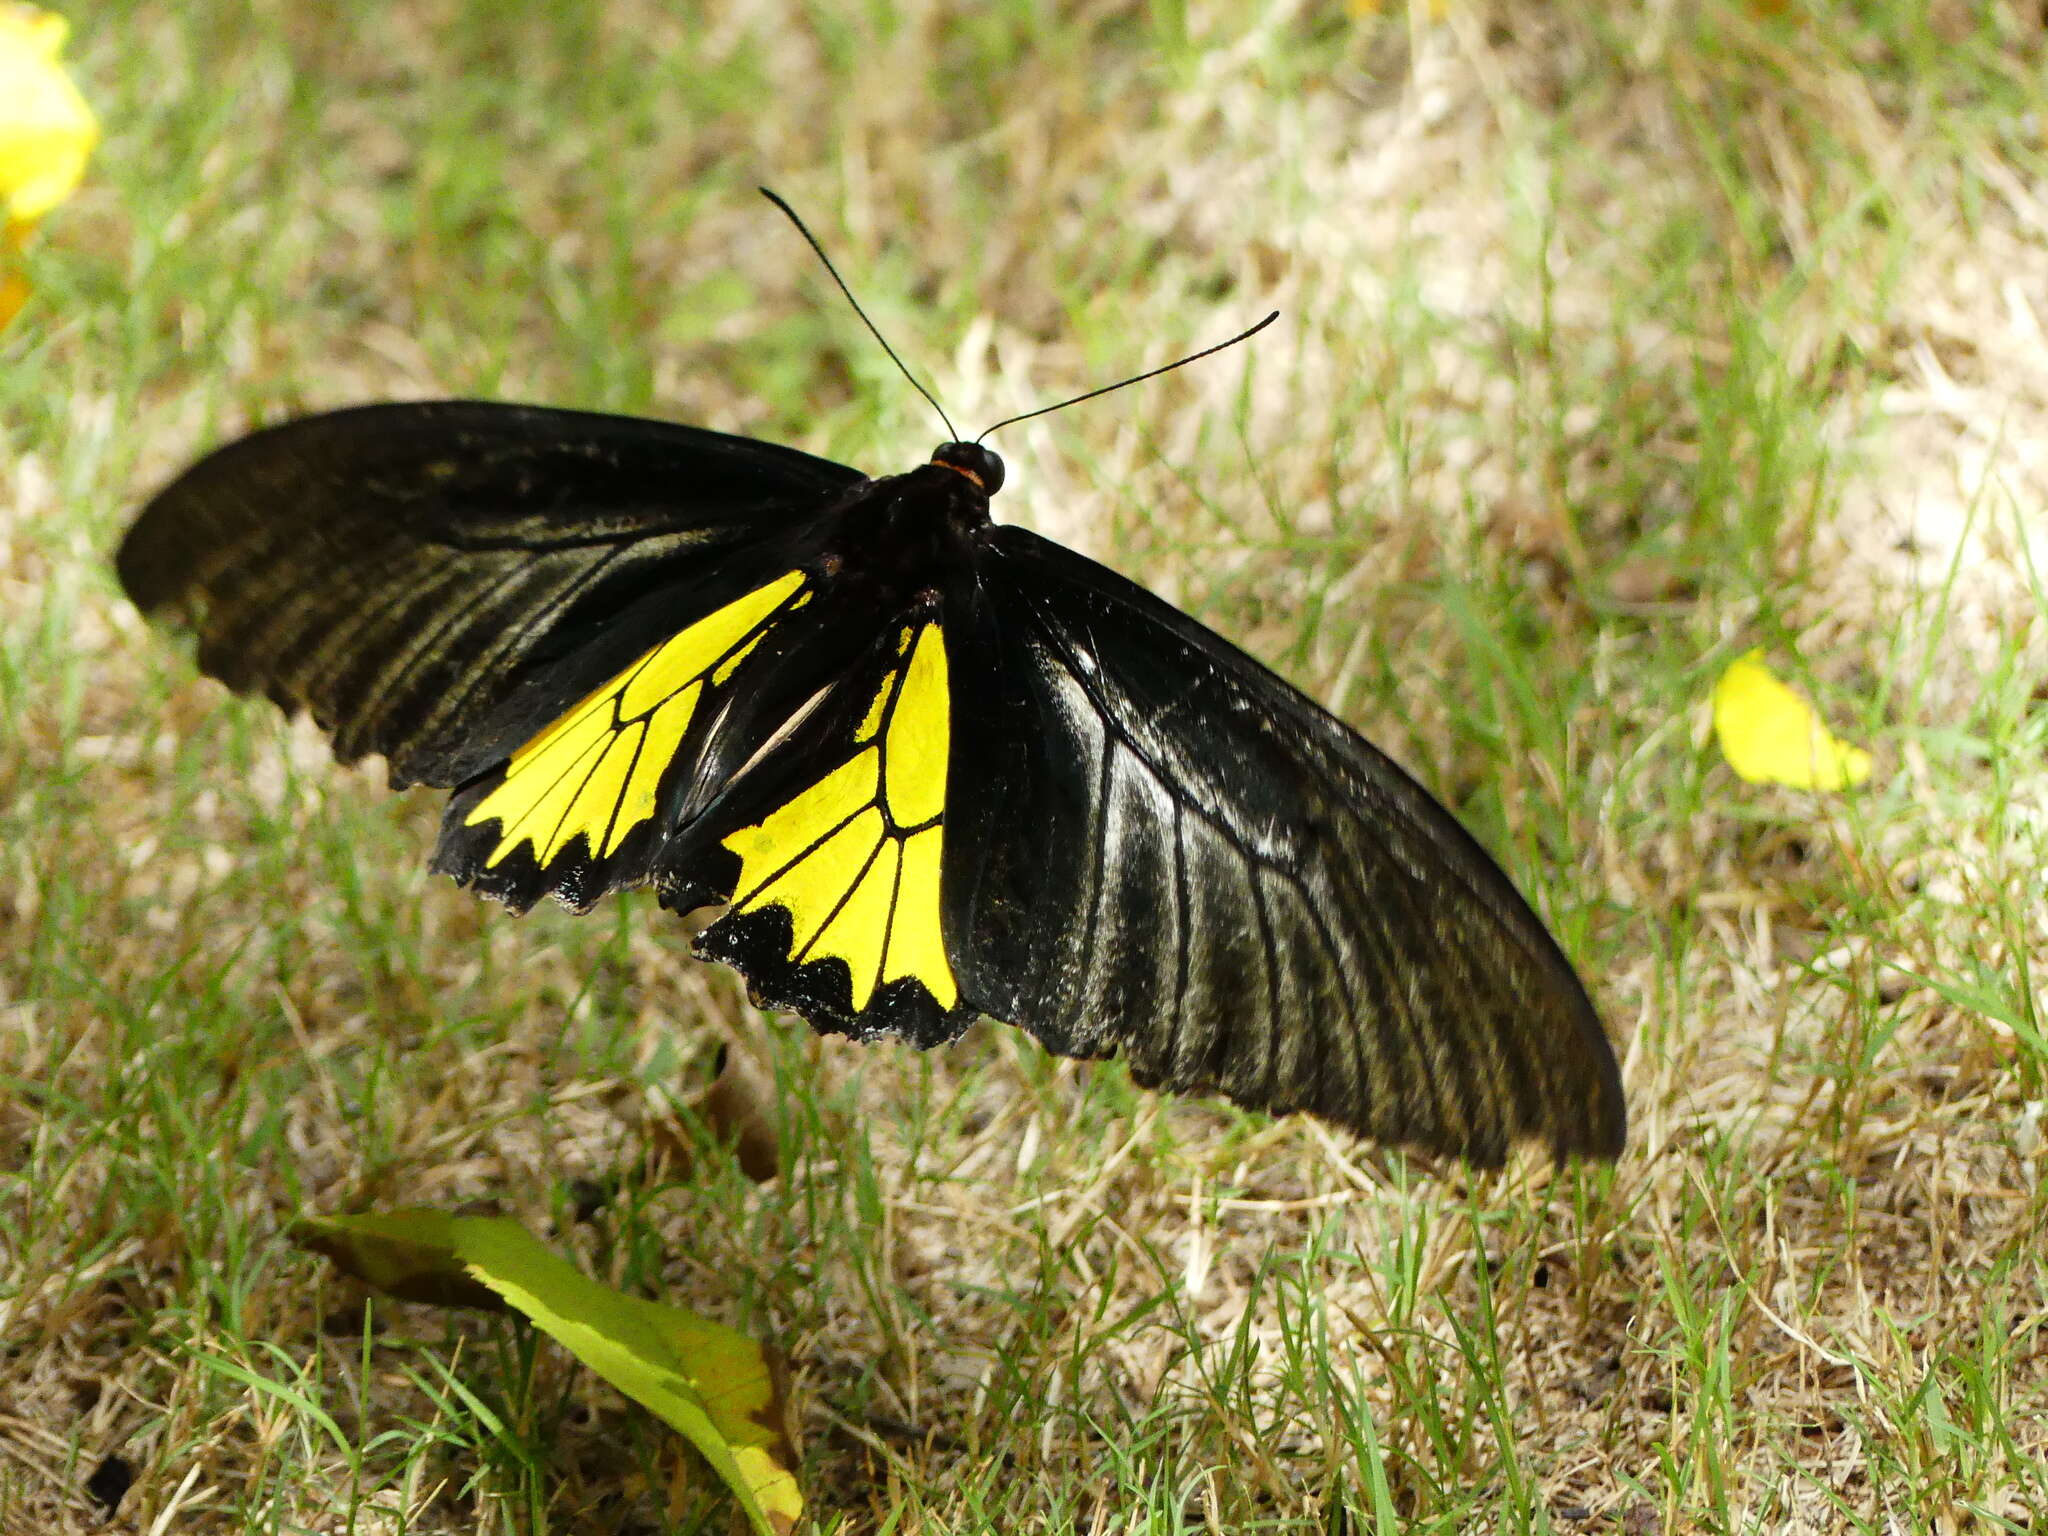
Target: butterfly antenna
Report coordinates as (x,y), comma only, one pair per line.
(1193,357)
(790,213)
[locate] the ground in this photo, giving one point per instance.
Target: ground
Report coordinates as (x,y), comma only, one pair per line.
(1615,342)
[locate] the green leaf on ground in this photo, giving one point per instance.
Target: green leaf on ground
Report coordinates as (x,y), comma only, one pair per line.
(709,1383)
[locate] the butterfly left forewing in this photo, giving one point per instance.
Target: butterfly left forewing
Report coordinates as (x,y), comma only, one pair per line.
(399,571)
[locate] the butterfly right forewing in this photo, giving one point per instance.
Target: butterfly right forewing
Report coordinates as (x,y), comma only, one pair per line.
(1163,851)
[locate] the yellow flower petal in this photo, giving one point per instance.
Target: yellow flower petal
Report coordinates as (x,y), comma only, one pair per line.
(46,129)
(1362,9)
(1770,735)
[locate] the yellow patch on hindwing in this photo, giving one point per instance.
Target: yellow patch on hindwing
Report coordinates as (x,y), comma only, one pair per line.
(854,859)
(595,772)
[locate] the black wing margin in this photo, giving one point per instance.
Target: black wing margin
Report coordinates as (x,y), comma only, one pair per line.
(397,571)
(1161,849)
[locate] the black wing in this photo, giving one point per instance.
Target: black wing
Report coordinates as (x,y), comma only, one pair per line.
(403,572)
(1160,848)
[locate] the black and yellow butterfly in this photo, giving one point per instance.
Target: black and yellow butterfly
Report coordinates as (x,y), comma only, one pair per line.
(932,766)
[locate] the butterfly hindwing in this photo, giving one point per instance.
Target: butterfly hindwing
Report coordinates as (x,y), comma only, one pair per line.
(398,571)
(831,855)
(587,800)
(1162,850)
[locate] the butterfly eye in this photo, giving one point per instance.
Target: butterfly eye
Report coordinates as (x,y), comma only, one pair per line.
(979,464)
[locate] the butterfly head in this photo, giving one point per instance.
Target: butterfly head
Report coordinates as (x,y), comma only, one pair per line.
(979,464)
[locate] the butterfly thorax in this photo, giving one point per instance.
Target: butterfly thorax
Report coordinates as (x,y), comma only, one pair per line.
(905,532)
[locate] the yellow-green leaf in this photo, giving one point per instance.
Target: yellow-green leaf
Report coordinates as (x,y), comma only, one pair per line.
(46,129)
(1770,734)
(711,1384)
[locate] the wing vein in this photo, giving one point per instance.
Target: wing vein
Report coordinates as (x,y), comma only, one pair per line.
(1101,849)
(1272,1031)
(839,906)
(805,852)
(1184,912)
(484,668)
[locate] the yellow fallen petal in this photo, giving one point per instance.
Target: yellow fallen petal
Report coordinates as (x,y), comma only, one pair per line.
(13,286)
(46,129)
(1362,9)
(1770,735)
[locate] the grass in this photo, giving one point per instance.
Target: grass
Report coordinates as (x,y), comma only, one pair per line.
(1616,342)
